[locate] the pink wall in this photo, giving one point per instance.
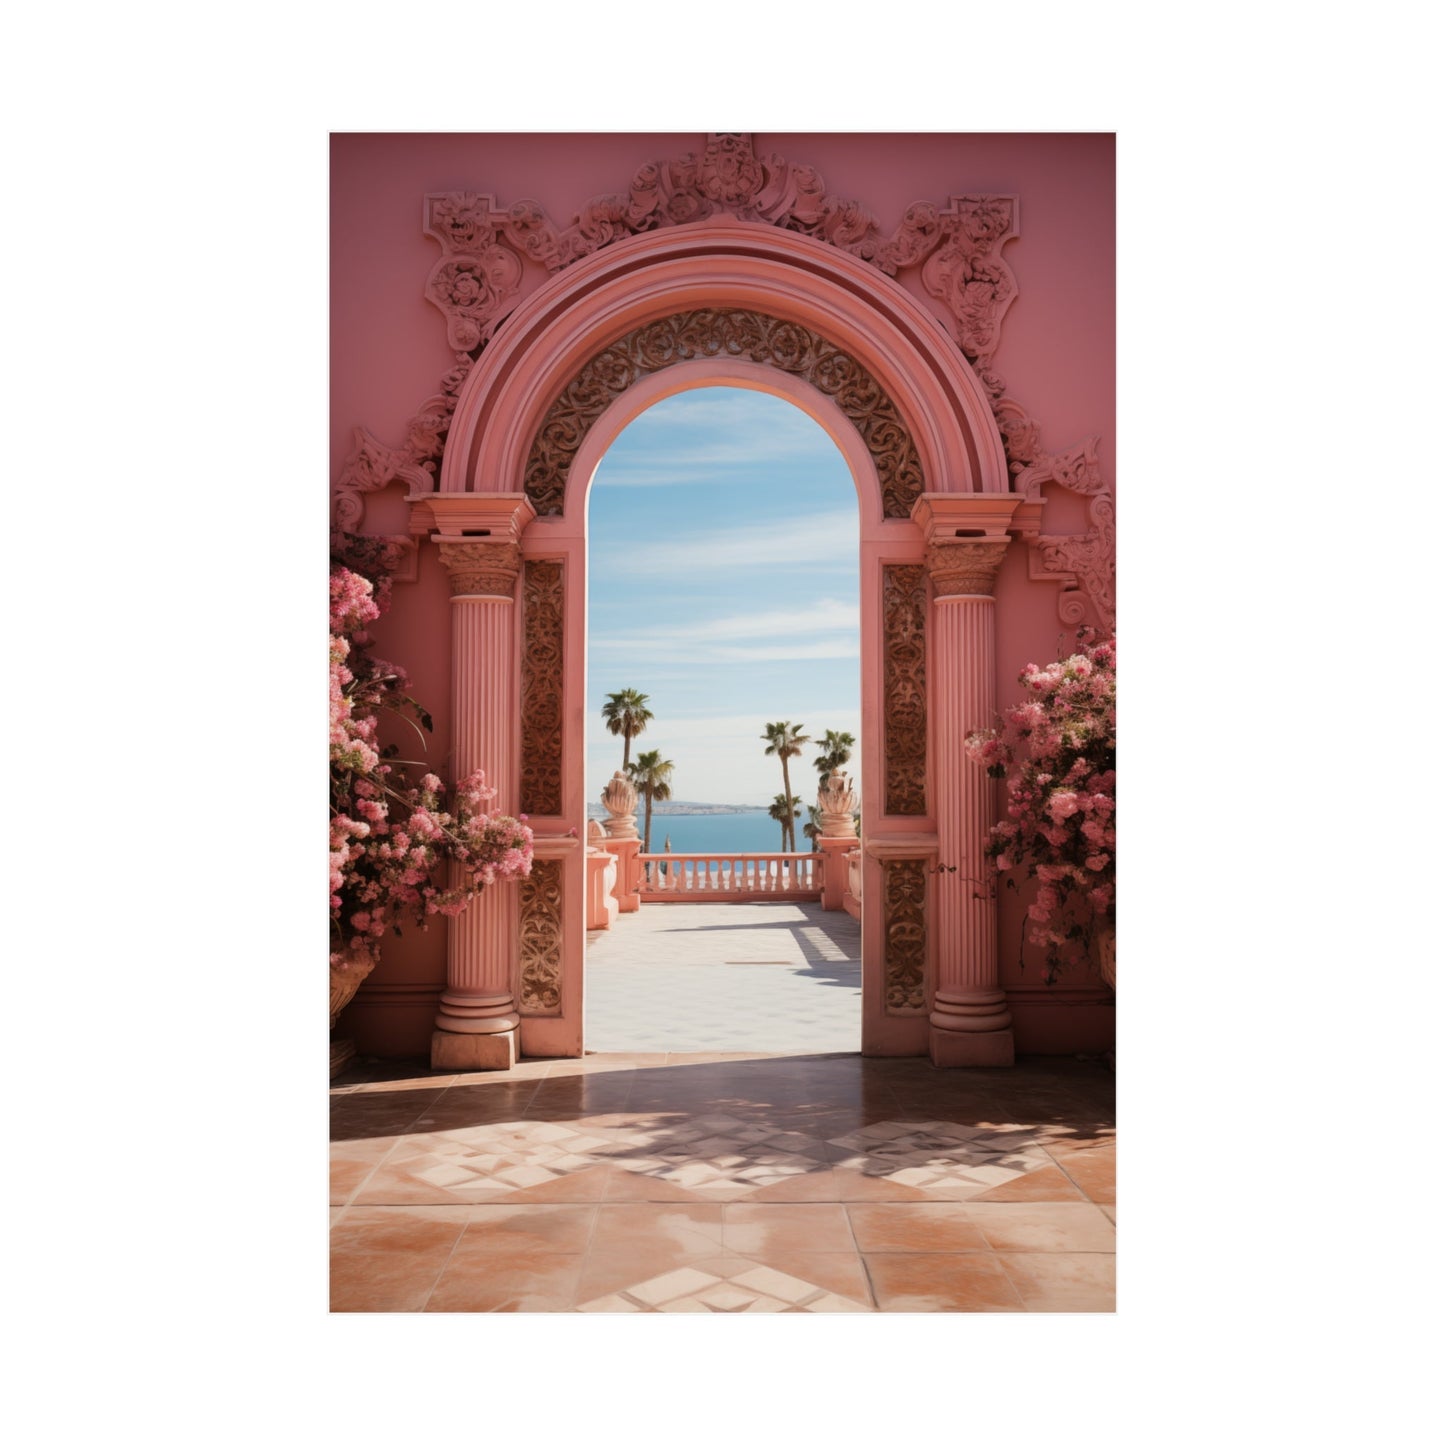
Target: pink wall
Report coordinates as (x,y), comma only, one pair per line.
(389,351)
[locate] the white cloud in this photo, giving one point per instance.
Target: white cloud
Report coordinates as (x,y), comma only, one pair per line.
(820,539)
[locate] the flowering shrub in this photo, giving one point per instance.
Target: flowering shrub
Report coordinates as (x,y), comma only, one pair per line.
(1056,748)
(388,835)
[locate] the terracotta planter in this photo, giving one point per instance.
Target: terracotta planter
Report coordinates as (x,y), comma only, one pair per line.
(1104,953)
(344,984)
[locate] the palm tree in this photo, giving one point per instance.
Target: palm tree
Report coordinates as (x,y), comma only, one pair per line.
(834,749)
(813,828)
(652,777)
(782,812)
(626,713)
(785,740)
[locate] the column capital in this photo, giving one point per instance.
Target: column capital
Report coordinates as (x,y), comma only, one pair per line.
(501,516)
(965,536)
(477,567)
(965,566)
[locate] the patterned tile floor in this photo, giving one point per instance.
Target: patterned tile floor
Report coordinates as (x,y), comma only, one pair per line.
(724,1183)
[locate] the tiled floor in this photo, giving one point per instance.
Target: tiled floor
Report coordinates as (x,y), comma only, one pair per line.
(725,977)
(724,1183)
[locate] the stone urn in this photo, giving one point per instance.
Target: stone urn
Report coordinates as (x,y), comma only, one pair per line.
(837,802)
(619,797)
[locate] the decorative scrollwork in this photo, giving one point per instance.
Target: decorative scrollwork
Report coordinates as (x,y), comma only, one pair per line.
(1082,563)
(905,689)
(905,935)
(744,334)
(541,937)
(543,630)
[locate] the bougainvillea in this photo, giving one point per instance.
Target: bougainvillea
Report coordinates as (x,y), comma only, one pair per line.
(390,835)
(1056,749)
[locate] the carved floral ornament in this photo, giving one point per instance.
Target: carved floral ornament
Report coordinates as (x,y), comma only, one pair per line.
(965,567)
(487,569)
(729,333)
(958,245)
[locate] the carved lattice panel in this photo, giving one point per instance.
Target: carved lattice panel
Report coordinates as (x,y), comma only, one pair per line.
(905,935)
(542,657)
(905,689)
(747,335)
(541,938)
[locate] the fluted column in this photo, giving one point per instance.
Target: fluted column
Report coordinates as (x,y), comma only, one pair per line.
(476,1025)
(969,1024)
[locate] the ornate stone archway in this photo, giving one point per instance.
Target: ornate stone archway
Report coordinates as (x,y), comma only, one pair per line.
(743,270)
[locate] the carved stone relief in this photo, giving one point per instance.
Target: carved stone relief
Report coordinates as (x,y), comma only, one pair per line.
(477,280)
(1082,564)
(541,937)
(965,567)
(744,334)
(958,244)
(486,569)
(543,630)
(905,935)
(905,689)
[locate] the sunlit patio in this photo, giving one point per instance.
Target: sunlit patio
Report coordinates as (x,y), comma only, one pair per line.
(727,1180)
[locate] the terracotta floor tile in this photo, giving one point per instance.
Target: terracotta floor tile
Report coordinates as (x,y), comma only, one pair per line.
(476,1280)
(1044,1228)
(690,1226)
(389,1261)
(396,1184)
(792,1228)
(347,1176)
(1092,1170)
(1049,1183)
(914,1229)
(817,1187)
(585,1185)
(1062,1282)
(839,1271)
(925,1283)
(626,1185)
(515,1229)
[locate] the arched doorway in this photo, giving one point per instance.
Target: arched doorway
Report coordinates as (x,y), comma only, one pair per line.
(742,305)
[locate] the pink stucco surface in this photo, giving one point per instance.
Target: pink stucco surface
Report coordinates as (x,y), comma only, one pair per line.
(389,350)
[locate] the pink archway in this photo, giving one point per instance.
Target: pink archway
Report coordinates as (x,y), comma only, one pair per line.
(744,304)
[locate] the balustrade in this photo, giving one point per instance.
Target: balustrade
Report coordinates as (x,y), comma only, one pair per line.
(729,877)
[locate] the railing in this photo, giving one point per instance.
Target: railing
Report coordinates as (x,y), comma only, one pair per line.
(729,877)
(853,898)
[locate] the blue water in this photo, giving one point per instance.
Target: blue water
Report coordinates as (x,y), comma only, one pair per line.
(720,832)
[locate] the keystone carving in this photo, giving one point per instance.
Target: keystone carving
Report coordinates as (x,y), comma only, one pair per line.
(487,569)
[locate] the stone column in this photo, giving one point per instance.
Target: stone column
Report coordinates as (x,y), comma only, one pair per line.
(476,1026)
(969,1024)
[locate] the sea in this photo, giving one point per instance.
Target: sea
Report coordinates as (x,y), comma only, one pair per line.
(751,832)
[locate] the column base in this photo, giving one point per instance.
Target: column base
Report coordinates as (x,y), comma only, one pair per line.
(473,1053)
(950,1050)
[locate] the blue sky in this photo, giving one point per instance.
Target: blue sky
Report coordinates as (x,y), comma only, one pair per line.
(723,532)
